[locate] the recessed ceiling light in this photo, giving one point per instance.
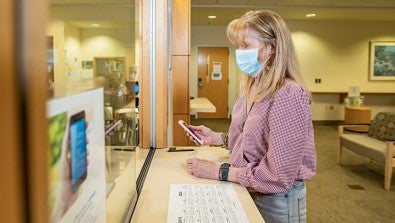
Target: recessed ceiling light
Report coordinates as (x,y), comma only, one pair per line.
(311,15)
(212,16)
(95,25)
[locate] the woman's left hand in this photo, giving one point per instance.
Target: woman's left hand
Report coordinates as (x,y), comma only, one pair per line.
(203,168)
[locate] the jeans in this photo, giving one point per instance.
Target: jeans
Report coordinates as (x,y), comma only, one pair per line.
(289,206)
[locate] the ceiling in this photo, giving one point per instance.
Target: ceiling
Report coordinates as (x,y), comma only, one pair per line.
(343,10)
(116,13)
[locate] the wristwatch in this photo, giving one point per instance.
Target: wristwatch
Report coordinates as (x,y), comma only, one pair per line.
(224,171)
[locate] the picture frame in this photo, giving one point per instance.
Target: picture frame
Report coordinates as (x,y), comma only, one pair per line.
(87,64)
(382,61)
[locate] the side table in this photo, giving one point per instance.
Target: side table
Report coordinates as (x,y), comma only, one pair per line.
(357,115)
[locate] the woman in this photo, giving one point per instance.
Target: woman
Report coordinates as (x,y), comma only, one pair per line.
(271,135)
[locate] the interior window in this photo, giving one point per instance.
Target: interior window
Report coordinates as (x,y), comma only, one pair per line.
(92,44)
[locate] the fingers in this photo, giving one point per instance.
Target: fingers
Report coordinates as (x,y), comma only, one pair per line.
(193,166)
(190,163)
(200,128)
(193,140)
(192,160)
(190,170)
(65,143)
(195,128)
(87,155)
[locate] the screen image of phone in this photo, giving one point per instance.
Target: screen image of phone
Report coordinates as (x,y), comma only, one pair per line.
(190,132)
(78,155)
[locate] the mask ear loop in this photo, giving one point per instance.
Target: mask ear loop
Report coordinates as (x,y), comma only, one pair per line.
(272,44)
(268,56)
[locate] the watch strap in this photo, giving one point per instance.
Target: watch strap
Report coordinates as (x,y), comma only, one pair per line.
(224,172)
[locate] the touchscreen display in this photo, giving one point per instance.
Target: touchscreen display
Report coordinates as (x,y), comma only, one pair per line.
(78,149)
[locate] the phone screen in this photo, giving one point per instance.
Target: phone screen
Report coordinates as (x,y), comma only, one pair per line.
(78,156)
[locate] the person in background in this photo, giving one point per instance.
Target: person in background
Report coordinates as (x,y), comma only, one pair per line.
(114,92)
(115,97)
(271,137)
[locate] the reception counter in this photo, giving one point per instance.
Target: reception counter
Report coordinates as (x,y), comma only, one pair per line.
(170,168)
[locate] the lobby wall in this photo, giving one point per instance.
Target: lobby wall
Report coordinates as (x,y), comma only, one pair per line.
(337,52)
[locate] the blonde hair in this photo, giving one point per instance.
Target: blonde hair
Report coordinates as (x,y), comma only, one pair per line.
(270,29)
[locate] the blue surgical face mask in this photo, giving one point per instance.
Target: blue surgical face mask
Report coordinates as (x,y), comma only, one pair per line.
(247,60)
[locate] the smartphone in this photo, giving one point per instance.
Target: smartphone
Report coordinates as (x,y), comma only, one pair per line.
(190,132)
(78,155)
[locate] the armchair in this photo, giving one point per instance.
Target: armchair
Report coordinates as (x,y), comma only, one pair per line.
(377,144)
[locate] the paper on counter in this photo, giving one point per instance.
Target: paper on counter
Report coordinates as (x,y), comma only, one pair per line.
(204,203)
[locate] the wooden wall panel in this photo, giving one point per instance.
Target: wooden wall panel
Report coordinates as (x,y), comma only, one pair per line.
(23,160)
(12,197)
(180,97)
(35,93)
(144,95)
(180,84)
(180,65)
(161,74)
(181,27)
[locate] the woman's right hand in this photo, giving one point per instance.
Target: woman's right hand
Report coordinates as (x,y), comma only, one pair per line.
(208,136)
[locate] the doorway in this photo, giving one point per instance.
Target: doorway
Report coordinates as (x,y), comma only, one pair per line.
(213,79)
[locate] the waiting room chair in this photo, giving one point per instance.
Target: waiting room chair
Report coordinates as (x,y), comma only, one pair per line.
(377,144)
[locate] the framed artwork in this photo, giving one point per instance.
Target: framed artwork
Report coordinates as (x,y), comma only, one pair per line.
(382,61)
(87,64)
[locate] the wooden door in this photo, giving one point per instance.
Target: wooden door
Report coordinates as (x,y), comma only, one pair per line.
(213,79)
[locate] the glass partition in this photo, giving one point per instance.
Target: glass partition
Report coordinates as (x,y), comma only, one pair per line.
(93,44)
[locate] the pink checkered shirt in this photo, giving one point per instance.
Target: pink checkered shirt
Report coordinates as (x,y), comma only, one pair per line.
(274,144)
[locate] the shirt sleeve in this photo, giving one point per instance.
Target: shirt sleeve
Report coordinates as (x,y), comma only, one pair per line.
(289,125)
